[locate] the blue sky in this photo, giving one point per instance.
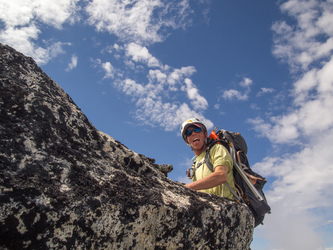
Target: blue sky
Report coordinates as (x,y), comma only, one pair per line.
(138,69)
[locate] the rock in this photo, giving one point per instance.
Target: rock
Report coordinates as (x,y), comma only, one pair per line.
(66,185)
(164,168)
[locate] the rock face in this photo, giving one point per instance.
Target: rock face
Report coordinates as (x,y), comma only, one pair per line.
(66,185)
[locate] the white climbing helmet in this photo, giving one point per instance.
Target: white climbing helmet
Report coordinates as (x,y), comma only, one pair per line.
(189,122)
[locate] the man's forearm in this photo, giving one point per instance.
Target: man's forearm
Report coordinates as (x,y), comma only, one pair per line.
(216,178)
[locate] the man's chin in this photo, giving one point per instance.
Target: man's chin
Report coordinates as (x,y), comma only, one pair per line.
(196,148)
(197,144)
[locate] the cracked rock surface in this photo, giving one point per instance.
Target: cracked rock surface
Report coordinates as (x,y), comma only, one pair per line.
(66,185)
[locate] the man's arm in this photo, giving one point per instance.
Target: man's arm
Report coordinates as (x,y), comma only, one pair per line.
(216,178)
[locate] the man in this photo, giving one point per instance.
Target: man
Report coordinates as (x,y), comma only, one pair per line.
(194,133)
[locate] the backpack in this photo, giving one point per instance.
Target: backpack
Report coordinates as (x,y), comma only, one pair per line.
(249,184)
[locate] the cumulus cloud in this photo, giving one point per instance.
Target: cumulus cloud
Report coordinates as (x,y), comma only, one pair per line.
(178,74)
(156,97)
(158,76)
(139,21)
(21,30)
(310,40)
(198,102)
(141,54)
(52,12)
(246,83)
(297,194)
(264,91)
(155,107)
(165,114)
(73,63)
(313,104)
(109,70)
(303,176)
(136,24)
(232,94)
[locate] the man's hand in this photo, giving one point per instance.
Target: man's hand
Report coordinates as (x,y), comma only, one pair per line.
(216,178)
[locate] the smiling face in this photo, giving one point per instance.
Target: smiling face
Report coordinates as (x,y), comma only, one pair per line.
(197,141)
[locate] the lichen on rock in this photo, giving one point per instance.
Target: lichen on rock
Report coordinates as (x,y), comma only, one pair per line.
(65,185)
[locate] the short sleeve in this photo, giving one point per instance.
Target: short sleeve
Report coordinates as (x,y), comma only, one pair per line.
(219,156)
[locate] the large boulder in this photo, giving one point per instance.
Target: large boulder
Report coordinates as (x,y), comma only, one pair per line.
(65,185)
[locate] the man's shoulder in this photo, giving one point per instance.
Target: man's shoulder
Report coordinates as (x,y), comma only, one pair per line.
(218,147)
(219,152)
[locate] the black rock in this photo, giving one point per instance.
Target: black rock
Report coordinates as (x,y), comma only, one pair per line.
(65,185)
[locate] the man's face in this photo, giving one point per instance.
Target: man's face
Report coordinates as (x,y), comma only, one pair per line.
(197,139)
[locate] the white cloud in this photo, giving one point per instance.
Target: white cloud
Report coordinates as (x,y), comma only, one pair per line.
(197,101)
(236,94)
(178,74)
(155,107)
(325,21)
(312,113)
(165,114)
(141,54)
(265,91)
(140,21)
(73,63)
(21,20)
(303,183)
(109,70)
(158,76)
(137,23)
(246,83)
(156,100)
(310,40)
(51,12)
(282,132)
(303,177)
(130,87)
(20,39)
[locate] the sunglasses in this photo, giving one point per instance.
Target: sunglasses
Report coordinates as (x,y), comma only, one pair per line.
(190,131)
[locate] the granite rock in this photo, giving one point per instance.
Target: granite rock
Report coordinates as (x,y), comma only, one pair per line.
(66,185)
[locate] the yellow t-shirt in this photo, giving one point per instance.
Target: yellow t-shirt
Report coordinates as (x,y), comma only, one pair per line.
(219,156)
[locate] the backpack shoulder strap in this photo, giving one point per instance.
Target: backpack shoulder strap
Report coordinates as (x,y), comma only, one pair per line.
(207,161)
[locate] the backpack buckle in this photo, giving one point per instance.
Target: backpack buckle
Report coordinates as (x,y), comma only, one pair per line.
(189,173)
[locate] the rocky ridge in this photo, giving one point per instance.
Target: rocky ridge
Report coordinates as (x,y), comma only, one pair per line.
(65,185)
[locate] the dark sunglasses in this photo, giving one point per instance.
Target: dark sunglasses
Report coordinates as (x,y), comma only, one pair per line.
(190,131)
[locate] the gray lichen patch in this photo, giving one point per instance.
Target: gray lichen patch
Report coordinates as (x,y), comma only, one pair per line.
(66,185)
